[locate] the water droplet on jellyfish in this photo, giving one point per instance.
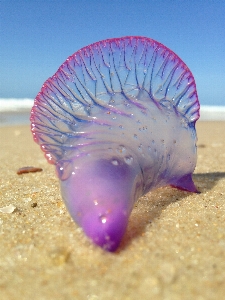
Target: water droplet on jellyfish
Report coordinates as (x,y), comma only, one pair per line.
(103,219)
(128,160)
(115,162)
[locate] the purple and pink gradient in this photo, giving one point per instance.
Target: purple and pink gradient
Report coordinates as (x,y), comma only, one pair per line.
(118,120)
(100,196)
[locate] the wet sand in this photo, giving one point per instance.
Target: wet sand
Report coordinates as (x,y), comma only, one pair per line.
(174,247)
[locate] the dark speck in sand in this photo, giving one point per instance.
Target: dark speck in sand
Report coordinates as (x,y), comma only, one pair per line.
(201,146)
(28,170)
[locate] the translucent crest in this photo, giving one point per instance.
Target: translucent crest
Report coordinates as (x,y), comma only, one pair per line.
(110,77)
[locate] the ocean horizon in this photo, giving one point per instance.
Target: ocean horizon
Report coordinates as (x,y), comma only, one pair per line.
(16,111)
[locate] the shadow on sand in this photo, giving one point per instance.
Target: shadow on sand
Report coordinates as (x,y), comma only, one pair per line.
(140,219)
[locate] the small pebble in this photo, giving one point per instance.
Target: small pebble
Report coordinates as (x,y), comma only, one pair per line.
(8,209)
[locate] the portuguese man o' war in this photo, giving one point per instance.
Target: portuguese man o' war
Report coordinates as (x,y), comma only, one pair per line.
(117,120)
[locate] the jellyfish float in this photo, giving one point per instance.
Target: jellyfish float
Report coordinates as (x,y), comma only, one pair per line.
(117,120)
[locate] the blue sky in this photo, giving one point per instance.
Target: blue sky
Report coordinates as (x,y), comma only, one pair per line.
(36,37)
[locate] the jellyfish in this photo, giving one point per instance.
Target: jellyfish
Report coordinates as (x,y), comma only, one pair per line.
(117,120)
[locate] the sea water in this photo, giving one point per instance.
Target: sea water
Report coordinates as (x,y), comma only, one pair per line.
(16,111)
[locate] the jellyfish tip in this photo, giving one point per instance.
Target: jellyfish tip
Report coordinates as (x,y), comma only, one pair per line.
(185,183)
(106,230)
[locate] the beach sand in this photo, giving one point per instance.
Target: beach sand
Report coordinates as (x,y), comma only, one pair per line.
(174,247)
